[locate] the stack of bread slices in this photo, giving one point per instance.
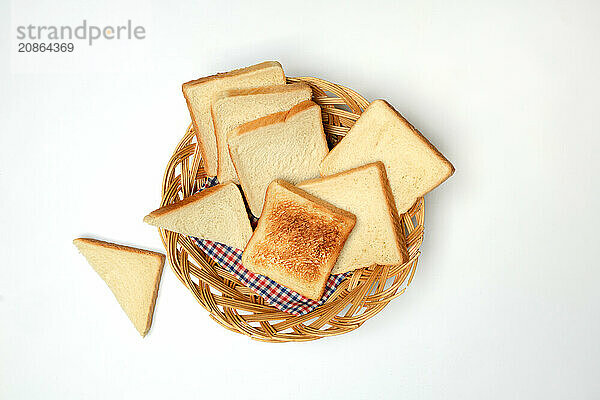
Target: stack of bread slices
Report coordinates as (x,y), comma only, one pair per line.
(320,212)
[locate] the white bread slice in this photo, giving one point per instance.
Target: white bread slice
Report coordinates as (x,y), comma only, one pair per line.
(133,275)
(414,166)
(200,93)
(377,237)
(235,107)
(297,240)
(217,213)
(288,145)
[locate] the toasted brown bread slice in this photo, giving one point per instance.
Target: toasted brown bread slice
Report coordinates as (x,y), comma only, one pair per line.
(298,239)
(133,275)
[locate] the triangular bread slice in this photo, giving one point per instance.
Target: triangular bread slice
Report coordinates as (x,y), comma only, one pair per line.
(288,145)
(200,93)
(217,213)
(133,275)
(414,166)
(297,240)
(377,237)
(233,108)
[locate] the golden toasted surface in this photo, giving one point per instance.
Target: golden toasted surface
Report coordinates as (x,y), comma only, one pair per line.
(298,239)
(298,242)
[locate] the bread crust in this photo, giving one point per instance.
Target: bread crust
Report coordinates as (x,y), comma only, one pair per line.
(199,140)
(190,199)
(159,257)
(272,119)
(289,87)
(219,164)
(220,75)
(235,72)
(121,247)
(394,215)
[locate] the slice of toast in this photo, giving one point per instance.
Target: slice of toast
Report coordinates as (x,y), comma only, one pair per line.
(217,213)
(414,166)
(297,240)
(233,108)
(377,237)
(288,145)
(200,93)
(133,275)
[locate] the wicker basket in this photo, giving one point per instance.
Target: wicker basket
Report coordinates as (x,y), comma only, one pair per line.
(364,293)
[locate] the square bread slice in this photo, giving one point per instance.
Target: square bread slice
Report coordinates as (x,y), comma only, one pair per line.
(297,240)
(233,108)
(217,213)
(200,93)
(133,275)
(414,166)
(377,237)
(288,145)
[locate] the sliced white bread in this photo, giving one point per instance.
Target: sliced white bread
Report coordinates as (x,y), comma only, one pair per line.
(133,275)
(377,237)
(200,93)
(233,108)
(297,240)
(288,145)
(217,213)
(414,166)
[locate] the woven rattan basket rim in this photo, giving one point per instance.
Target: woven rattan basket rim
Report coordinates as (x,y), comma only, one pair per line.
(364,293)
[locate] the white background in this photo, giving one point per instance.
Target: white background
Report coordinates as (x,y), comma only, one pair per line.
(505,302)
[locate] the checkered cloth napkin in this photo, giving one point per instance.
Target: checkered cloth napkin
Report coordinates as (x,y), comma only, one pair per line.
(274,294)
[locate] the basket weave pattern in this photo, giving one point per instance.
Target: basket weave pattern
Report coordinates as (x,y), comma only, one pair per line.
(359,297)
